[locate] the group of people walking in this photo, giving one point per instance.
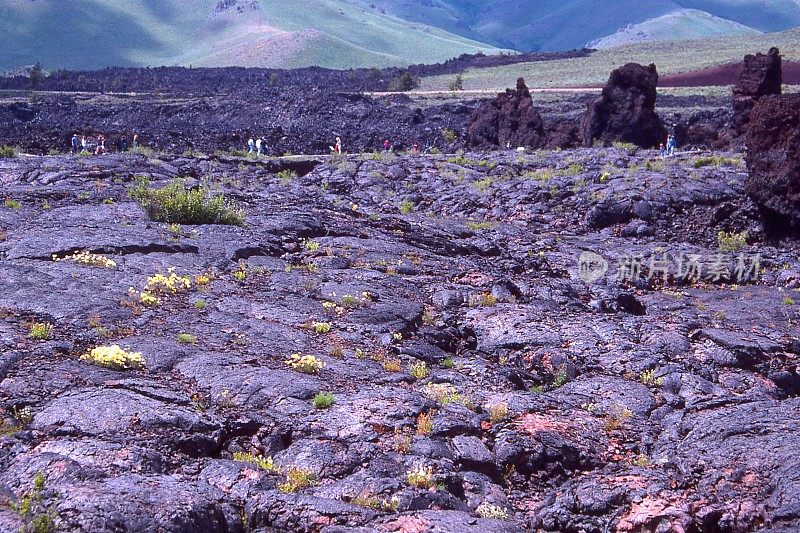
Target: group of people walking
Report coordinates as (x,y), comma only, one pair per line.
(83,145)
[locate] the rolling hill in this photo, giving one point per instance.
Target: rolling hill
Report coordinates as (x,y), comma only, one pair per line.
(90,34)
(684,24)
(534,25)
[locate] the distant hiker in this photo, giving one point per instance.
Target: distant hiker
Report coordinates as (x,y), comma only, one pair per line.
(75,143)
(662,150)
(671,144)
(136,140)
(84,145)
(337,148)
(258,145)
(415,148)
(508,145)
(123,144)
(387,146)
(101,145)
(251,146)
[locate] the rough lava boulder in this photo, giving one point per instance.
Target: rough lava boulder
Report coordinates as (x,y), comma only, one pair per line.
(773,161)
(626,111)
(760,77)
(510,118)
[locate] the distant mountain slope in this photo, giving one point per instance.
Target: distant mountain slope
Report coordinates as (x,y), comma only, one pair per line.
(679,25)
(532,25)
(82,34)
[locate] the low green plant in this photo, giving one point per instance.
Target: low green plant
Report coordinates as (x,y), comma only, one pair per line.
(297,478)
(559,380)
(187,338)
(421,477)
(445,393)
(418,370)
(407,207)
(425,423)
(321,328)
(175,204)
(479,226)
(114,357)
(310,245)
(648,378)
(322,400)
(488,510)
(265,463)
(498,412)
(483,184)
(200,304)
(307,364)
(716,160)
(449,135)
(788,300)
(41,331)
(286,176)
(448,362)
(732,242)
(628,147)
(12,204)
(36,518)
(7,152)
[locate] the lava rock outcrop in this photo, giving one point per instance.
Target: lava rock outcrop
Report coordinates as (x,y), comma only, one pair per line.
(509,120)
(761,76)
(773,160)
(626,111)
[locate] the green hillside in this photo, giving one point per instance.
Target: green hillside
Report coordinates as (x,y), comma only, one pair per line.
(685,24)
(89,34)
(670,57)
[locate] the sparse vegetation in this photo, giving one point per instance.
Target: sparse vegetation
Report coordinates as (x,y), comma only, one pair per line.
(498,412)
(616,417)
(35,516)
(88,259)
(114,357)
(648,378)
(403,83)
(297,478)
(445,393)
(307,364)
(419,370)
(731,242)
(488,510)
(716,160)
(421,477)
(7,152)
(187,338)
(457,84)
(40,331)
(321,328)
(264,463)
(392,364)
(425,423)
(175,204)
(407,207)
(449,135)
(322,400)
(12,204)
(628,147)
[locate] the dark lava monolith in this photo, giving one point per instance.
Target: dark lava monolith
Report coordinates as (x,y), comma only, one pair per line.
(626,111)
(773,162)
(760,77)
(510,119)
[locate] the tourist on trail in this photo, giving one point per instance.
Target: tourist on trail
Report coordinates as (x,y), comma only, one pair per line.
(84,145)
(415,148)
(662,150)
(337,148)
(136,140)
(258,145)
(123,144)
(101,145)
(251,146)
(671,145)
(387,146)
(75,143)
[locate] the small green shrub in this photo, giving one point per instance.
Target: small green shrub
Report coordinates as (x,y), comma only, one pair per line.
(265,463)
(716,160)
(200,304)
(187,338)
(403,83)
(175,204)
(407,207)
(7,152)
(628,147)
(12,204)
(41,331)
(286,176)
(297,479)
(732,242)
(419,370)
(648,378)
(449,135)
(487,510)
(322,400)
